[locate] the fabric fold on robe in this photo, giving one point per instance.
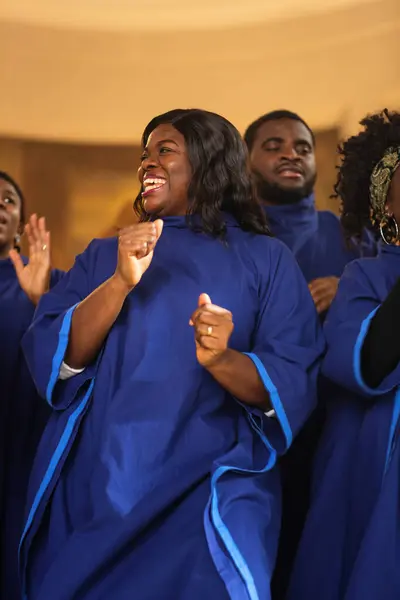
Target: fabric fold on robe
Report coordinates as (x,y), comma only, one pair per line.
(349,549)
(147,465)
(22,418)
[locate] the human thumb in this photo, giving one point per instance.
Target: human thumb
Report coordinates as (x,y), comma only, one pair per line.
(204,299)
(159,227)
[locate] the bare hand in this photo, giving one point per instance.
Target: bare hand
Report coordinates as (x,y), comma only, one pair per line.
(34,278)
(323,291)
(135,251)
(213,327)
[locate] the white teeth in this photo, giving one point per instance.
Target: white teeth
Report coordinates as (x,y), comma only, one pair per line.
(150,181)
(154,183)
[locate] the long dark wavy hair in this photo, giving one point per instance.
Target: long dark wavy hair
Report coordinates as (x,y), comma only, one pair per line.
(221,180)
(359,155)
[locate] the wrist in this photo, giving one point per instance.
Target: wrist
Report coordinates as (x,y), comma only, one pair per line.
(219,361)
(41,286)
(34,298)
(119,285)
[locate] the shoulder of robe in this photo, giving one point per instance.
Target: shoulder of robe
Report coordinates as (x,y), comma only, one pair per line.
(102,244)
(100,248)
(328,217)
(362,271)
(266,244)
(270,255)
(98,260)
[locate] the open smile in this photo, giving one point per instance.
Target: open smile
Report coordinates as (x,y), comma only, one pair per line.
(290,172)
(152,184)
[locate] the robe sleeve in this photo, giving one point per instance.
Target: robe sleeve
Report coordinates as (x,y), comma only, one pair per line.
(46,340)
(346,328)
(55,277)
(287,347)
(380,352)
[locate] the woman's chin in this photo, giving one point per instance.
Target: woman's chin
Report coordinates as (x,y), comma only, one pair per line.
(152,205)
(5,241)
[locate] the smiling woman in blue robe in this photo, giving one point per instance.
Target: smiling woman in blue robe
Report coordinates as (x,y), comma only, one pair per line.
(22,414)
(350,545)
(160,353)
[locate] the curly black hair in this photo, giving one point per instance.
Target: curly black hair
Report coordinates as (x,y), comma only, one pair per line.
(359,155)
(221,178)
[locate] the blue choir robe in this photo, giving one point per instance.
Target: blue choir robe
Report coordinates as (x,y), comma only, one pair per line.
(316,239)
(151,481)
(22,419)
(317,242)
(350,546)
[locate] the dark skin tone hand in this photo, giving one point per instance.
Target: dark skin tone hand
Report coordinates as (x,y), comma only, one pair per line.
(235,372)
(34,278)
(323,291)
(94,316)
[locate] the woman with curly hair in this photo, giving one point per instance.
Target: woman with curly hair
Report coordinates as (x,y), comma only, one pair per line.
(160,353)
(350,546)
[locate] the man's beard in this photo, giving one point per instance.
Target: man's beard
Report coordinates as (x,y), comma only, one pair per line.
(272,193)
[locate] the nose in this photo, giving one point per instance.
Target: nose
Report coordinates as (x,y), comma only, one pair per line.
(289,152)
(149,162)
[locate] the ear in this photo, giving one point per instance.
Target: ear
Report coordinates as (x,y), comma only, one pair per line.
(17,236)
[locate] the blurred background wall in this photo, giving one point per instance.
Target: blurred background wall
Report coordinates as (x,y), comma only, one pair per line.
(80,80)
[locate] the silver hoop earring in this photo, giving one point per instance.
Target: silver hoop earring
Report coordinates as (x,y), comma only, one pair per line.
(17,241)
(389,230)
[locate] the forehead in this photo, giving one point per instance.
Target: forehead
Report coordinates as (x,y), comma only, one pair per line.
(285,129)
(6,187)
(165,132)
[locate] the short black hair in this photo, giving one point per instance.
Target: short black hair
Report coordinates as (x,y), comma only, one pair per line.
(359,155)
(275,115)
(6,177)
(221,178)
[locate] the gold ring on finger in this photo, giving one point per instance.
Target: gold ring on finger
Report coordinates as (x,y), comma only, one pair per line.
(44,247)
(209,330)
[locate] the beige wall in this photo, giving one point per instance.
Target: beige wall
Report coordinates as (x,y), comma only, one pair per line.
(102,86)
(327,159)
(80,189)
(88,191)
(80,87)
